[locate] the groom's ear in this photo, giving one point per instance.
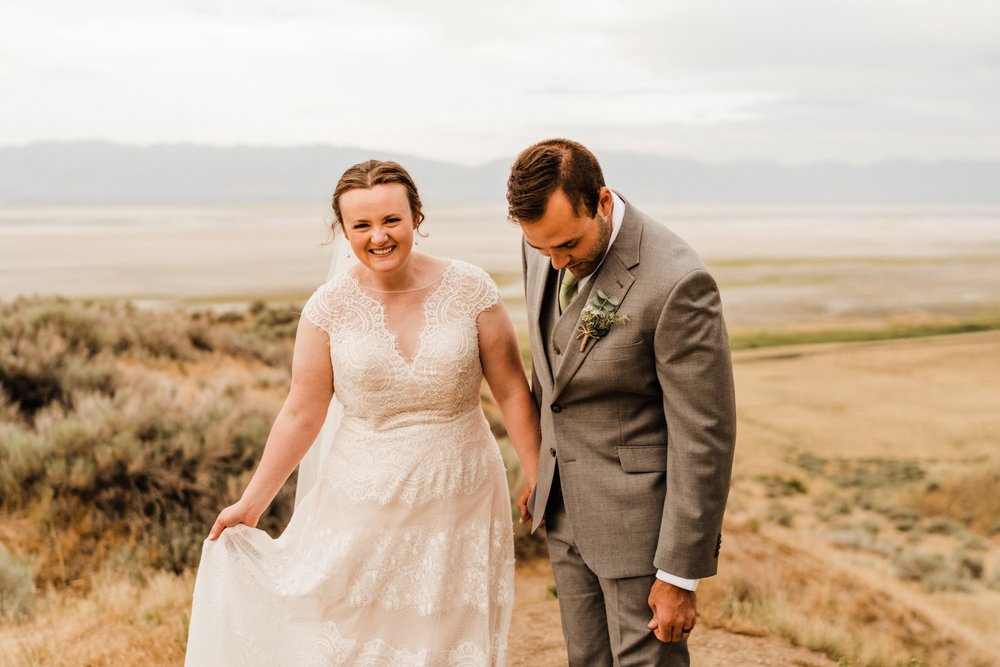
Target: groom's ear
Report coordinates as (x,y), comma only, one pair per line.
(604,202)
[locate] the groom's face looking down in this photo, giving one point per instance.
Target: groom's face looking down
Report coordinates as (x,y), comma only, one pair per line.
(568,236)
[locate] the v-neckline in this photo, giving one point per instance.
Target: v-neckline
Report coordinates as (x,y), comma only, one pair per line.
(384,315)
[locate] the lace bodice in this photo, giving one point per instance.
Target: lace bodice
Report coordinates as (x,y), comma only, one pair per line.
(373,380)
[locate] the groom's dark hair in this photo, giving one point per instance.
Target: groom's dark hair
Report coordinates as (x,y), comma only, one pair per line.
(549,165)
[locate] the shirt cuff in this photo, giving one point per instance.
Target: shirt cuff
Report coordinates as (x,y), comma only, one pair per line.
(679,582)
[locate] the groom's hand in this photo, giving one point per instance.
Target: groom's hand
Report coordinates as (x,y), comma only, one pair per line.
(674,612)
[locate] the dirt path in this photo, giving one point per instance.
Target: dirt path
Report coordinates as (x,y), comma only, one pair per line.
(536,637)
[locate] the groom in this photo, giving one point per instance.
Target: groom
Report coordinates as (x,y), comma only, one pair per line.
(633,380)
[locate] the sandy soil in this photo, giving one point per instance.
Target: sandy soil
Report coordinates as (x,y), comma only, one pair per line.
(204,252)
(921,398)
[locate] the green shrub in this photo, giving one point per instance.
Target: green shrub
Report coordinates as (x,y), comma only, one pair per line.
(110,449)
(917,565)
(830,505)
(946,580)
(943,526)
(904,521)
(22,462)
(779,487)
(968,564)
(781,514)
(939,573)
(31,369)
(876,473)
(17,587)
(974,542)
(994,580)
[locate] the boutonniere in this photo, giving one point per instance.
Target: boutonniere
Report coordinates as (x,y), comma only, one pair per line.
(597,317)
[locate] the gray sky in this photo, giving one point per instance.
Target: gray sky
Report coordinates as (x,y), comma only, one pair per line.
(795,80)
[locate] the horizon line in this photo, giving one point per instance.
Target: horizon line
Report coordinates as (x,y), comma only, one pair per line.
(483,163)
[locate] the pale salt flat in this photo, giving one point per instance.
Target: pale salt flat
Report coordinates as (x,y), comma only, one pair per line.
(776,265)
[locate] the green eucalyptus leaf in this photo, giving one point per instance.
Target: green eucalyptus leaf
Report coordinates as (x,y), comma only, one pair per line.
(601,294)
(615,300)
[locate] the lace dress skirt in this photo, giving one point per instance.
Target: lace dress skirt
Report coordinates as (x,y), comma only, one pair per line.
(402,554)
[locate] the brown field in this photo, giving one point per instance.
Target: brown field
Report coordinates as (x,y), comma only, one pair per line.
(813,555)
(863,521)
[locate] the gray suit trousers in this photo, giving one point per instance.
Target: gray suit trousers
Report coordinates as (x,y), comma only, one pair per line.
(604,620)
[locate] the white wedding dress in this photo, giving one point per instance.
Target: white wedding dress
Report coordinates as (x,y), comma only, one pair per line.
(402,552)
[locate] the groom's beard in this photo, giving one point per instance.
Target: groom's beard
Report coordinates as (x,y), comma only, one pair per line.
(587,265)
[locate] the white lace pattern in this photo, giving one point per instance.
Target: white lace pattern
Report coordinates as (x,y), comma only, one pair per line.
(402,554)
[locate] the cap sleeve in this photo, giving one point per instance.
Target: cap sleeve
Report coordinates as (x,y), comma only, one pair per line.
(483,292)
(318,310)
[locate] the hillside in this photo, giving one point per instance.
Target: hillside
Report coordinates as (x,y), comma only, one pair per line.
(99,172)
(862,522)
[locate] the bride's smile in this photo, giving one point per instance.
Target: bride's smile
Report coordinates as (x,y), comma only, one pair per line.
(379,225)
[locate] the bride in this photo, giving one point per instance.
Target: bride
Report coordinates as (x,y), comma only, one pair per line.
(400,550)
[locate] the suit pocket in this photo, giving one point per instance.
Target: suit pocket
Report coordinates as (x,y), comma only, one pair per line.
(643,458)
(618,352)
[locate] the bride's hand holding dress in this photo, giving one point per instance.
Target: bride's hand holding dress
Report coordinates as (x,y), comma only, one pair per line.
(294,429)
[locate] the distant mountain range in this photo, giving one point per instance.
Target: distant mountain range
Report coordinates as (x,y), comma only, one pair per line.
(97,172)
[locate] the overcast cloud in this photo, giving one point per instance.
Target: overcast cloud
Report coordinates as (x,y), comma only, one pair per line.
(469,82)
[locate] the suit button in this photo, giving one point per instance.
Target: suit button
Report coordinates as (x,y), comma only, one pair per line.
(558,351)
(552,451)
(556,408)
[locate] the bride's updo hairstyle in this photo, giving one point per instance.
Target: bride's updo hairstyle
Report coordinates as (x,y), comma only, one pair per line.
(368,174)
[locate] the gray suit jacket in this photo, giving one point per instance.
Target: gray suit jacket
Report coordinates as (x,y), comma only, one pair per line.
(642,422)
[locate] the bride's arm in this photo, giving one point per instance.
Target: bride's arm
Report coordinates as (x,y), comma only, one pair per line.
(504,372)
(294,430)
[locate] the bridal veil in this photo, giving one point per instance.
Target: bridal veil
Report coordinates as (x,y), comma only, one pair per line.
(341,261)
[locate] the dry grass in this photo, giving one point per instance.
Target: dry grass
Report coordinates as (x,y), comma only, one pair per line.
(120,622)
(900,485)
(971,498)
(115,462)
(770,585)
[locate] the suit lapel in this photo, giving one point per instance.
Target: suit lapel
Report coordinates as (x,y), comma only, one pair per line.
(537,288)
(614,278)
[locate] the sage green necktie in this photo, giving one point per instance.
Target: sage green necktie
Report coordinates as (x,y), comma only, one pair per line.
(567,289)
